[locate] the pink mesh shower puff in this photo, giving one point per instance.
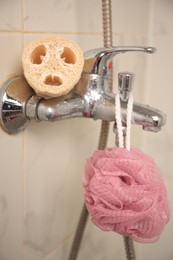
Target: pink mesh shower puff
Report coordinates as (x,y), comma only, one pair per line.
(124,192)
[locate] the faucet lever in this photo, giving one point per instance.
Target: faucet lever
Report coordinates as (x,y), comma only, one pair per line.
(101,56)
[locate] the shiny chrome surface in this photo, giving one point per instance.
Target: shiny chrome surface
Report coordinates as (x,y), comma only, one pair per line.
(102,56)
(89,99)
(13,97)
(18,105)
(31,107)
(148,117)
(125,85)
(53,110)
(96,104)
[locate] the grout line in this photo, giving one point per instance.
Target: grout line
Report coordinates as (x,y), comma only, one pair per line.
(150,42)
(10,32)
(64,33)
(22,22)
(148,64)
(57,247)
(23,193)
(49,32)
(23,150)
(72,33)
(83,33)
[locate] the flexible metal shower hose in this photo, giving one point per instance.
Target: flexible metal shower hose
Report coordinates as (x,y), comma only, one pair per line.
(104,131)
(129,248)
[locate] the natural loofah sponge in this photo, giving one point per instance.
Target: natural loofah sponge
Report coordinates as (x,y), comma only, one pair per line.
(124,192)
(52,66)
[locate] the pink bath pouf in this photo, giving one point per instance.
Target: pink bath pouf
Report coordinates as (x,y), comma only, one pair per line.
(125,193)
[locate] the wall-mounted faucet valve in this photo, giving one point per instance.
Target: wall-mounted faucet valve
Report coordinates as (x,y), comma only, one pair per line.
(90,98)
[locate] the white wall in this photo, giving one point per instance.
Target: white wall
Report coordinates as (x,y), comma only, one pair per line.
(41,168)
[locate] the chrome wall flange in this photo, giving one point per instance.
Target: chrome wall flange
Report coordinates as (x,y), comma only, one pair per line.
(13,96)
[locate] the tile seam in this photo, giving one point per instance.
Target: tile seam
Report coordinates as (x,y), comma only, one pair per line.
(23,148)
(57,247)
(76,33)
(85,33)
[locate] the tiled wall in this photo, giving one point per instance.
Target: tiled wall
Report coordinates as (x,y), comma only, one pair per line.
(41,168)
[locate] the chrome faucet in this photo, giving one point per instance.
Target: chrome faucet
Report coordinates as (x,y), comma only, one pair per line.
(90,98)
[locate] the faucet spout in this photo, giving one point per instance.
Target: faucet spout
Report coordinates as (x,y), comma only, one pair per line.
(151,119)
(103,108)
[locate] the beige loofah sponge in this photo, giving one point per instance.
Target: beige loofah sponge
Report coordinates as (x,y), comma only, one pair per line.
(52,66)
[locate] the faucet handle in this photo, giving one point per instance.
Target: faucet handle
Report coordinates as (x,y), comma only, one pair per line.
(99,58)
(125,84)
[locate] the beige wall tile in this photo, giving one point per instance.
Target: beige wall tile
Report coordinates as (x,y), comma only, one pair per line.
(61,251)
(159,95)
(53,186)
(98,244)
(130,17)
(11,185)
(162,20)
(10,50)
(10,15)
(11,198)
(50,16)
(83,16)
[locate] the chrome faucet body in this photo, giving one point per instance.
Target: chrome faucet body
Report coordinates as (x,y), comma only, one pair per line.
(90,98)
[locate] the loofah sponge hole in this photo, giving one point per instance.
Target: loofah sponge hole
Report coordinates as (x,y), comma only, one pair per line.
(53,80)
(37,54)
(68,56)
